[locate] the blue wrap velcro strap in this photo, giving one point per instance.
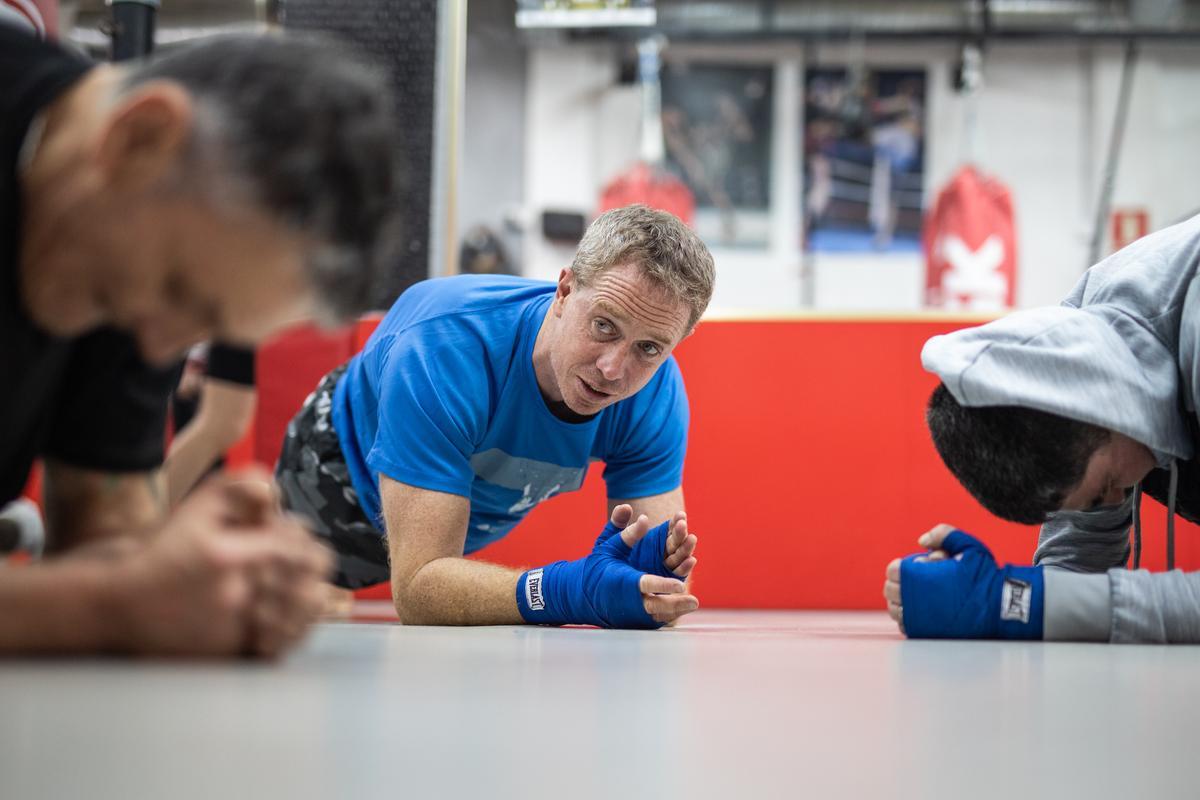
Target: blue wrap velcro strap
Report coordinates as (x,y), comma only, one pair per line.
(602,589)
(649,552)
(966,596)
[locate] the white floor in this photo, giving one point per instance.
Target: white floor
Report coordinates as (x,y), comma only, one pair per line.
(728,705)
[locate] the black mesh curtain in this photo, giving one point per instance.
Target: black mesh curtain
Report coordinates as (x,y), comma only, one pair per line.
(402,36)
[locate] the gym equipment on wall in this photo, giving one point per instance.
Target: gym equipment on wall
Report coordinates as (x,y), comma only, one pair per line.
(648,181)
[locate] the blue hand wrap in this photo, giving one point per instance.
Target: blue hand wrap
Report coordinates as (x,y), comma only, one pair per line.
(650,550)
(968,597)
(601,589)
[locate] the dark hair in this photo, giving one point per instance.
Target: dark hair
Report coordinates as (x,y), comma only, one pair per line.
(1020,464)
(307,132)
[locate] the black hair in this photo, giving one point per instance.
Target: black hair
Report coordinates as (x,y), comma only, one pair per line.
(308,130)
(1019,463)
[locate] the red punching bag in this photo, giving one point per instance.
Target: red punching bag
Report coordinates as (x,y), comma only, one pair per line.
(970,245)
(648,181)
(653,186)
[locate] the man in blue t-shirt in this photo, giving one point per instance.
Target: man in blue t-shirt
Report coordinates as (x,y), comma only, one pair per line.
(478,397)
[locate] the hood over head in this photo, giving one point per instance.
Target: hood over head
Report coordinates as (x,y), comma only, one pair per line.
(1110,355)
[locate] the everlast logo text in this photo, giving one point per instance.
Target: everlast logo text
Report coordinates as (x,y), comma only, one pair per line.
(1015,600)
(533,590)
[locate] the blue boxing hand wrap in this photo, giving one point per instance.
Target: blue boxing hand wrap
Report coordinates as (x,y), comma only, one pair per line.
(649,551)
(967,596)
(601,589)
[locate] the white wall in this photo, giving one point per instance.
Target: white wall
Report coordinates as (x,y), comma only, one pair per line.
(1037,130)
(579,125)
(1030,128)
(1160,169)
(491,184)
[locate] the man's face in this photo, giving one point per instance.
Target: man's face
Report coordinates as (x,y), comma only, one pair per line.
(117,233)
(171,271)
(614,334)
(1113,470)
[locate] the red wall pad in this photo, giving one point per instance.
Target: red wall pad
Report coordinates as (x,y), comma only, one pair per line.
(809,466)
(287,369)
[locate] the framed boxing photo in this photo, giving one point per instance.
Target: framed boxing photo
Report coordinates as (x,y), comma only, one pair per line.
(864,159)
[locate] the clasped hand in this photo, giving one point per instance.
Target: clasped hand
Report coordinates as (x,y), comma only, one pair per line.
(956,590)
(633,578)
(666,554)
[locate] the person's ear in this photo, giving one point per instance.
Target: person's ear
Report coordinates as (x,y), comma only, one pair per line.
(566,285)
(143,135)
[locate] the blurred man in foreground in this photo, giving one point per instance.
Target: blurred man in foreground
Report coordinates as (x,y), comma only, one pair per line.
(220,191)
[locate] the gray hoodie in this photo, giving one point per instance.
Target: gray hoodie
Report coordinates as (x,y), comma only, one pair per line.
(1121,352)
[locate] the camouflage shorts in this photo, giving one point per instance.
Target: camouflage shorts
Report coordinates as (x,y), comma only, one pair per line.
(315,483)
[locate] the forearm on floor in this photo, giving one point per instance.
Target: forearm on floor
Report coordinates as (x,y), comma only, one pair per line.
(1078,606)
(1123,606)
(1155,607)
(57,607)
(455,591)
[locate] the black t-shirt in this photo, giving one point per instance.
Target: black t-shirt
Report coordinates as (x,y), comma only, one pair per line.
(90,401)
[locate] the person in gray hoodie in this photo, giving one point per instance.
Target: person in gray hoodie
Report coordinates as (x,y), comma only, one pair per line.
(1066,416)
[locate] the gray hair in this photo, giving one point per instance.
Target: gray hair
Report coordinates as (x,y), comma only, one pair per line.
(301,128)
(668,252)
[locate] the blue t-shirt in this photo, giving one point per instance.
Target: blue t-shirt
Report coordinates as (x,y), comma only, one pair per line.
(444,397)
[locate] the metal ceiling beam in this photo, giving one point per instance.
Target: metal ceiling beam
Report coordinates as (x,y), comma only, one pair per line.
(816,20)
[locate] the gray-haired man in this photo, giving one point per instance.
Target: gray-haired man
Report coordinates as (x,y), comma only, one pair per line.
(479,397)
(217,192)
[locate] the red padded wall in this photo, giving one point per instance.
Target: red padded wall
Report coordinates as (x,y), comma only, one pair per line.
(809,466)
(287,369)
